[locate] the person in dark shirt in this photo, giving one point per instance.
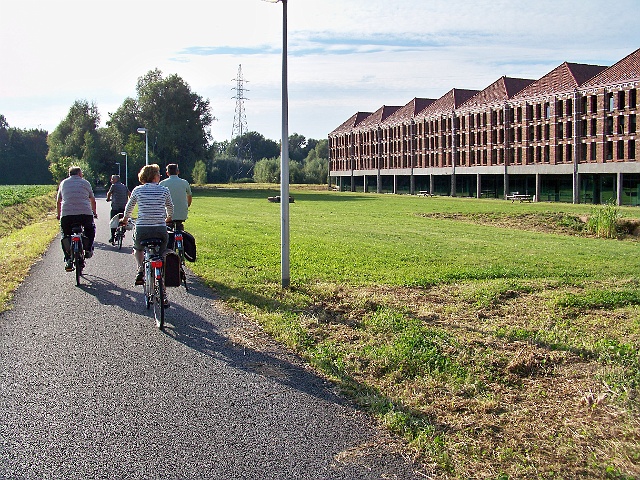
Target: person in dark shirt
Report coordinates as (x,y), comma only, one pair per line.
(118,195)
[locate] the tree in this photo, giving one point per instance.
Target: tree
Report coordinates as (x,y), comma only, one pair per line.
(199,173)
(261,147)
(267,170)
(76,138)
(177,120)
(23,155)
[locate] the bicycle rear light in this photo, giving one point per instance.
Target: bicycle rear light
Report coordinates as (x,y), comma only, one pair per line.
(156,263)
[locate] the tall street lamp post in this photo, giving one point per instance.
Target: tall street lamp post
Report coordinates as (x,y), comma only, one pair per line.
(284,157)
(126,169)
(146,144)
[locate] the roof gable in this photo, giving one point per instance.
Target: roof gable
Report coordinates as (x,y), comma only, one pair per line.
(448,102)
(378,117)
(353,121)
(563,78)
(625,70)
(502,89)
(409,111)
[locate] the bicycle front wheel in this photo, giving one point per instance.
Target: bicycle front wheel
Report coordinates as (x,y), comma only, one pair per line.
(158,304)
(119,239)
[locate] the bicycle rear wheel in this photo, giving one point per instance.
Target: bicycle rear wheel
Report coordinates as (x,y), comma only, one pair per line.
(79,264)
(148,287)
(158,304)
(119,238)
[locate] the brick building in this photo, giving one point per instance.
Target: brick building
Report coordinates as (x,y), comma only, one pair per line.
(568,136)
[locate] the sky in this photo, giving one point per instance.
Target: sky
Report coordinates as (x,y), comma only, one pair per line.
(344,56)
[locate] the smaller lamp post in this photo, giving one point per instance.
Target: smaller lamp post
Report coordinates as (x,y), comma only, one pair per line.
(146,144)
(126,169)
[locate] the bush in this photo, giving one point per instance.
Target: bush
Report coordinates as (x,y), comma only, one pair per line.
(603,221)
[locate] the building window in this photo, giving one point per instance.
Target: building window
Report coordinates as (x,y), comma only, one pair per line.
(621,125)
(531,133)
(569,128)
(585,104)
(583,152)
(569,153)
(494,117)
(632,98)
(594,104)
(585,128)
(471,121)
(594,127)
(569,106)
(621,100)
(546,153)
(539,132)
(538,111)
(620,150)
(519,134)
(632,149)
(547,110)
(559,152)
(560,130)
(609,150)
(609,101)
(538,154)
(609,130)
(547,128)
(632,123)
(519,113)
(484,119)
(529,112)
(520,154)
(593,151)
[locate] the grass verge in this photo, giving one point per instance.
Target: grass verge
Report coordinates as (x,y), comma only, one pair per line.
(496,345)
(27,230)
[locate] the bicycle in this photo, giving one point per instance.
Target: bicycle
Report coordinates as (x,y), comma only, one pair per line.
(154,289)
(178,247)
(76,250)
(118,236)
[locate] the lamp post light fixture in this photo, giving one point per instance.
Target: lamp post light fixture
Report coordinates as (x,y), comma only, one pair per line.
(284,156)
(146,144)
(126,169)
(118,163)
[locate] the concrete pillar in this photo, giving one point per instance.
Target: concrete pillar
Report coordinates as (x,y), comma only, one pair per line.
(395,184)
(619,189)
(365,188)
(506,185)
(340,183)
(412,182)
(538,188)
(478,186)
(431,184)
(453,184)
(378,182)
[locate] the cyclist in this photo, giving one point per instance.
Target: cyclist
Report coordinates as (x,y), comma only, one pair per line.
(118,195)
(180,194)
(155,210)
(76,204)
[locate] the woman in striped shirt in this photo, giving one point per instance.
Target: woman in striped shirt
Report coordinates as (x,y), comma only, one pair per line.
(155,209)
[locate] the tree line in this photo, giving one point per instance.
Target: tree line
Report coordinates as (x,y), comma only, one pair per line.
(177,121)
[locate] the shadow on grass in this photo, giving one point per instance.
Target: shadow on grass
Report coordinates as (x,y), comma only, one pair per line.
(262,194)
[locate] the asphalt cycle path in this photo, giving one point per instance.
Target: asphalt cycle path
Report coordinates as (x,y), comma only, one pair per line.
(90,388)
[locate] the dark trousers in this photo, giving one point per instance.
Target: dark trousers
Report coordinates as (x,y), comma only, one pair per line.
(68,221)
(114,212)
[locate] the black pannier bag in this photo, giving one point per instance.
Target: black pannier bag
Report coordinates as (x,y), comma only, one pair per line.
(171,268)
(189,246)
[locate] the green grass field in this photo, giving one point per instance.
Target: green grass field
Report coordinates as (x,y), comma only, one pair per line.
(497,338)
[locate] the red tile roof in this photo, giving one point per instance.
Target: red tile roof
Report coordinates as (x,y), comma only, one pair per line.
(563,78)
(448,102)
(378,117)
(626,70)
(409,111)
(502,89)
(354,121)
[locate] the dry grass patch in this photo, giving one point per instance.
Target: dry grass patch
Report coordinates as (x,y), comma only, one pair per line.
(524,388)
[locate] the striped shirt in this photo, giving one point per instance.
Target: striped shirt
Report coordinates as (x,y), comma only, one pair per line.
(154,205)
(75,193)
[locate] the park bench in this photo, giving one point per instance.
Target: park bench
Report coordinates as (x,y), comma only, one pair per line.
(520,197)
